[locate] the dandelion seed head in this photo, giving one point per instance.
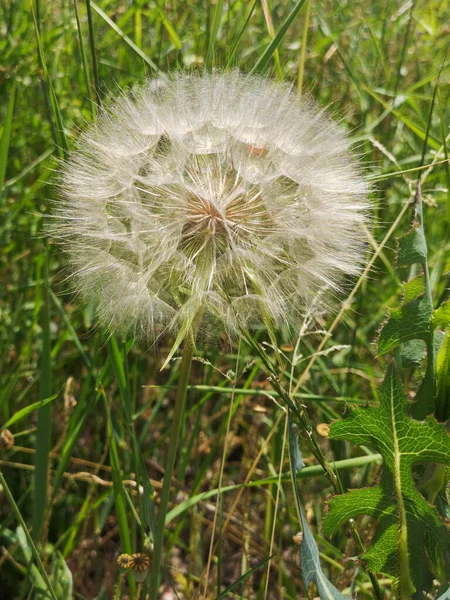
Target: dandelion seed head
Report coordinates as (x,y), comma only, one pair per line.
(214,199)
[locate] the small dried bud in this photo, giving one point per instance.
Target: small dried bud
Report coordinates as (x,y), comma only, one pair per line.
(140,564)
(124,561)
(298,538)
(69,399)
(6,439)
(323,429)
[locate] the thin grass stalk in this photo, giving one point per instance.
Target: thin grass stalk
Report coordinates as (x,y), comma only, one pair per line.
(41,473)
(277,501)
(219,493)
(180,400)
(119,493)
(271,32)
(93,53)
(50,98)
(213,36)
(6,136)
(302,420)
(83,57)
(239,36)
(301,62)
(264,59)
(33,548)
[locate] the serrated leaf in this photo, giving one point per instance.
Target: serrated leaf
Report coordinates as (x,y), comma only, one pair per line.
(410,321)
(404,517)
(413,353)
(413,319)
(309,553)
(413,246)
(441,316)
(443,379)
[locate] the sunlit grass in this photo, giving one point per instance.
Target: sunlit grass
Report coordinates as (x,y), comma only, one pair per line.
(87,490)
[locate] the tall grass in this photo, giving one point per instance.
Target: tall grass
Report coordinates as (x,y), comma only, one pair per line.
(84,469)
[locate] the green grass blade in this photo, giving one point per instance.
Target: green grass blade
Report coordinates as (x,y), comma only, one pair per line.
(446,162)
(6,136)
(239,36)
(213,36)
(73,333)
(22,523)
(119,492)
(119,362)
(43,437)
(83,53)
(27,410)
(170,30)
(267,393)
(430,116)
(116,358)
(50,94)
(125,38)
(302,59)
(93,52)
(263,61)
(305,473)
(421,134)
(243,577)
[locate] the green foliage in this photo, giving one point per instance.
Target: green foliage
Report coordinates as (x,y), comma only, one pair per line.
(412,320)
(6,136)
(60,575)
(309,552)
(43,437)
(443,377)
(405,518)
(376,66)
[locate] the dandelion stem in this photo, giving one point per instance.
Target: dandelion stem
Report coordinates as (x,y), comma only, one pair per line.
(185,370)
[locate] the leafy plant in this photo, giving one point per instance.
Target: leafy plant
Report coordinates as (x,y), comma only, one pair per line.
(405,519)
(412,320)
(408,528)
(309,552)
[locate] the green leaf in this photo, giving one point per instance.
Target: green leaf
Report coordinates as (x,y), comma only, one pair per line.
(443,379)
(264,59)
(6,135)
(441,316)
(410,321)
(309,552)
(404,517)
(27,410)
(214,31)
(125,38)
(44,425)
(413,319)
(28,541)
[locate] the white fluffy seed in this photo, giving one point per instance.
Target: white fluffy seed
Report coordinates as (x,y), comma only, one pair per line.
(210,199)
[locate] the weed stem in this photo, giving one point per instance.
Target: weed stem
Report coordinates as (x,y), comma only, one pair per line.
(185,370)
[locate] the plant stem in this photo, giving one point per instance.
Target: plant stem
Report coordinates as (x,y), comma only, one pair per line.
(30,542)
(185,370)
(302,420)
